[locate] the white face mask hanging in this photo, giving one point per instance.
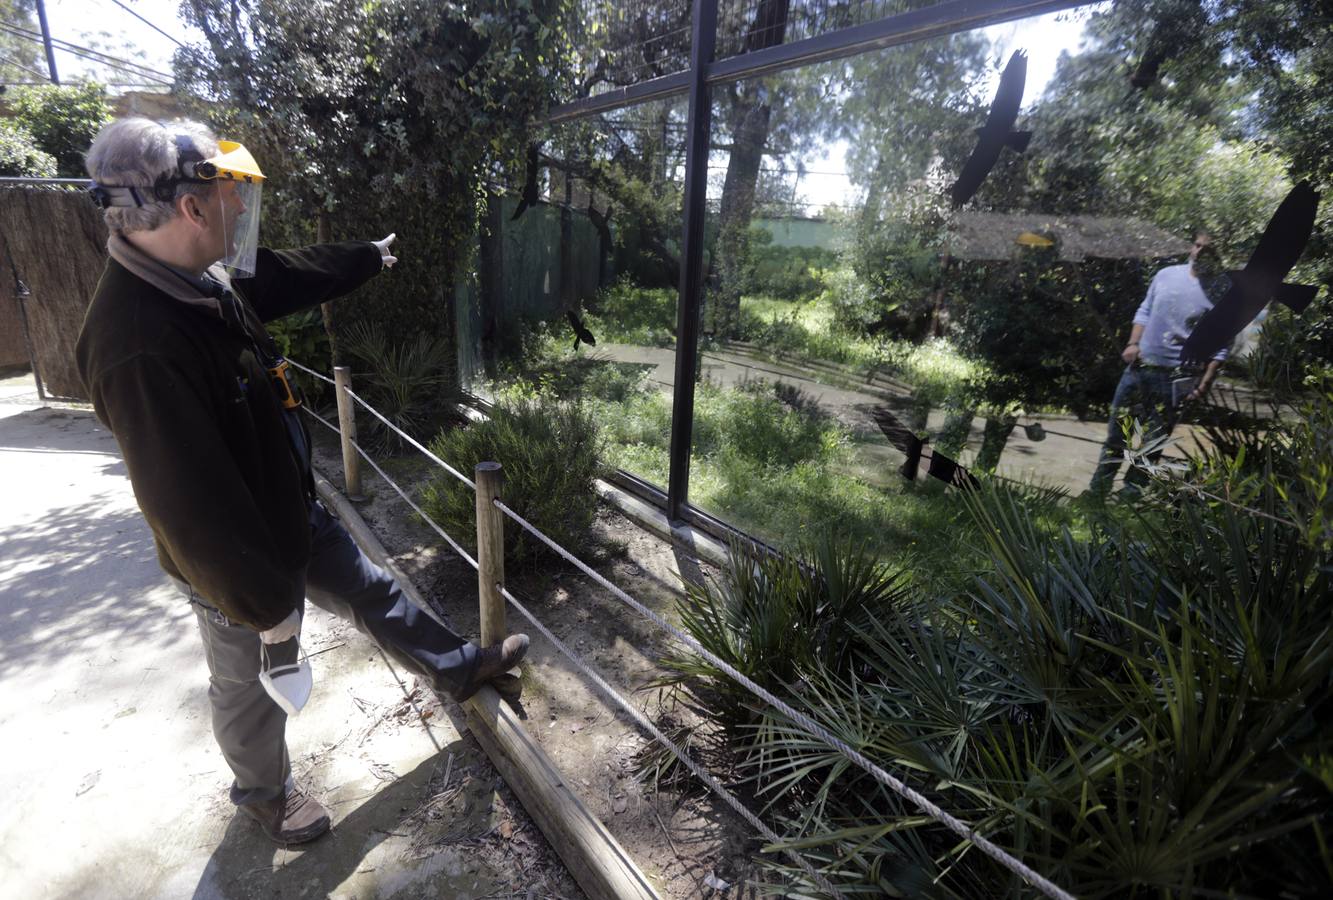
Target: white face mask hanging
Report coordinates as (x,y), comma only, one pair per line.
(288,685)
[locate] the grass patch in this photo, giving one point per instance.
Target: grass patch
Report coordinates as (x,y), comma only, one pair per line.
(625,313)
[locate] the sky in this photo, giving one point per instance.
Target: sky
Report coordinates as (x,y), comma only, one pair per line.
(1044,38)
(73,20)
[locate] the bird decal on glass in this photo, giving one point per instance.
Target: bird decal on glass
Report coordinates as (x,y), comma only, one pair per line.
(1261,280)
(997,133)
(581,333)
(530,196)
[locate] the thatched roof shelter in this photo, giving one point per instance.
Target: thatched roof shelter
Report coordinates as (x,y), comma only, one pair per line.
(993,236)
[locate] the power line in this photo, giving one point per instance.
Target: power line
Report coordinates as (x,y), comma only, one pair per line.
(90,54)
(85,52)
(148,23)
(97,59)
(18,65)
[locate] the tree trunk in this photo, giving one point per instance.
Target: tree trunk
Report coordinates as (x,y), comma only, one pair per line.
(749,135)
(993,440)
(567,299)
(751,115)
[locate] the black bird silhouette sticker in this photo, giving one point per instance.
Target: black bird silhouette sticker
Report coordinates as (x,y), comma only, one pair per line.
(581,333)
(998,131)
(600,221)
(529,196)
(1261,280)
(950,472)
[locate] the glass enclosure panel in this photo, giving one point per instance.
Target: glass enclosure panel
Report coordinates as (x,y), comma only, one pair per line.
(629,41)
(744,26)
(579,267)
(929,261)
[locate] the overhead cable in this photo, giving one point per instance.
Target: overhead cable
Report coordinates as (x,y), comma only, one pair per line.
(88,53)
(149,24)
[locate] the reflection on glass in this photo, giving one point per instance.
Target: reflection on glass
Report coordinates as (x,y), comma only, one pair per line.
(578,266)
(940,259)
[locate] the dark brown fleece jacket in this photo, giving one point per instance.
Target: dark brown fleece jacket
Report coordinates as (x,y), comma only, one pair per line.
(201,429)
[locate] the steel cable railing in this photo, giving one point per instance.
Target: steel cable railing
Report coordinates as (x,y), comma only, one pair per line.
(934,811)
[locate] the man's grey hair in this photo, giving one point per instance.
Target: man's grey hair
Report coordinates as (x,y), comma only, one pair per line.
(135,152)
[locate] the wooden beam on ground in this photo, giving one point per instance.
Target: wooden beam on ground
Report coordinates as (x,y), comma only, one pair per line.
(593,856)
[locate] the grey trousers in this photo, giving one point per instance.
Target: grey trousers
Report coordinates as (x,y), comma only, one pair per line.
(249,727)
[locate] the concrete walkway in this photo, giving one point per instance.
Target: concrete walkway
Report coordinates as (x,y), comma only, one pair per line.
(112,783)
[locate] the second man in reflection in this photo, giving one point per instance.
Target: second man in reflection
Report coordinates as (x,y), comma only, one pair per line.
(1153,387)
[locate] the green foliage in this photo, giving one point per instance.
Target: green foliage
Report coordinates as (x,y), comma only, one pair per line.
(1133,713)
(775,618)
(761,424)
(406,381)
(549,452)
(63,120)
(20,157)
(1047,331)
(1293,351)
(787,273)
(21,58)
(897,266)
(301,337)
(455,91)
(626,313)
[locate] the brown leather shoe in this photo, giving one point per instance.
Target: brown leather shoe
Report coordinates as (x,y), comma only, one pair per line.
(495,661)
(292,819)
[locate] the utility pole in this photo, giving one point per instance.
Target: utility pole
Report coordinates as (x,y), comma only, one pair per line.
(46,40)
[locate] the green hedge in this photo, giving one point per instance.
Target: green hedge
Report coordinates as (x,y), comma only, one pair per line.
(548,449)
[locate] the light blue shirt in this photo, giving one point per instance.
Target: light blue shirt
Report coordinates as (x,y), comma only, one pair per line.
(1175,303)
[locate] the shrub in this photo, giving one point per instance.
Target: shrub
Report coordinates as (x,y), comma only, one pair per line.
(20,157)
(301,337)
(787,273)
(549,452)
(629,314)
(773,424)
(63,120)
(1140,711)
(404,382)
(775,618)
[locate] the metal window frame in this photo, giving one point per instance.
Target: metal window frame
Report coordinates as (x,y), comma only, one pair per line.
(705,72)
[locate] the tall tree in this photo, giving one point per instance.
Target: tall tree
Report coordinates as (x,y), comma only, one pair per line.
(21,58)
(385,116)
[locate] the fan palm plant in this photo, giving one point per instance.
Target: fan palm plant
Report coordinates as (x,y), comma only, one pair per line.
(405,382)
(1141,711)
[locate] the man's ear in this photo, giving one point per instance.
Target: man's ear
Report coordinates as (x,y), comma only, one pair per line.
(190,209)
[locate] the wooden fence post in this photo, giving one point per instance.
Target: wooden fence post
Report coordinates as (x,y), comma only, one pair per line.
(342,383)
(490,551)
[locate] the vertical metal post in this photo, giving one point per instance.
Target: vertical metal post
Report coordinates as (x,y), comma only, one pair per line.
(490,551)
(46,39)
(342,383)
(703,40)
(21,294)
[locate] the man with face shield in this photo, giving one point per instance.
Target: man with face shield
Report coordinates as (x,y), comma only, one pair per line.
(179,367)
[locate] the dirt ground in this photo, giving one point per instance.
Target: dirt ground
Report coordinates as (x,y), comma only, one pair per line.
(689,845)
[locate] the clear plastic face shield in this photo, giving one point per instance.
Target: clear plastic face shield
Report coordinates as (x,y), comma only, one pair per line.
(234,203)
(240,186)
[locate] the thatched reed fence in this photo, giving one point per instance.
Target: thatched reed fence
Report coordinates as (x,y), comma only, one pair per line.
(53,246)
